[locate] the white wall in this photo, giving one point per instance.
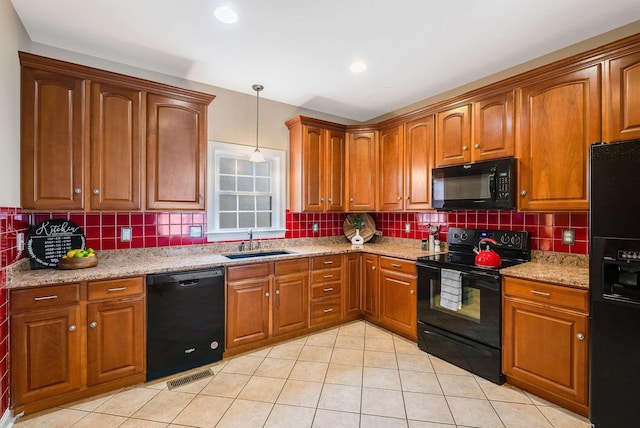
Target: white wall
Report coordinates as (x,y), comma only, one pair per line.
(12,38)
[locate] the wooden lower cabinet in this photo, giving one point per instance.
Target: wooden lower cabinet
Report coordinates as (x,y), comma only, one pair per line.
(370,287)
(265,300)
(64,348)
(398,299)
(545,341)
(326,289)
(352,290)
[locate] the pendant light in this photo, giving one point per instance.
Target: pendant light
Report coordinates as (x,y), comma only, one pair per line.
(256,156)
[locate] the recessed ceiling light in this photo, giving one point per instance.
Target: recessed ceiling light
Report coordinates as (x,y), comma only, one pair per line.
(226,15)
(358,67)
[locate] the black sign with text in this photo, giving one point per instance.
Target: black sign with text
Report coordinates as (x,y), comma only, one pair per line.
(48,241)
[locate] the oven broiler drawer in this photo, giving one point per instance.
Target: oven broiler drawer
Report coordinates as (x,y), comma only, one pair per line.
(474,357)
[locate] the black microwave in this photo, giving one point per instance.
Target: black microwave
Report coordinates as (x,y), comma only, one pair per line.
(487,185)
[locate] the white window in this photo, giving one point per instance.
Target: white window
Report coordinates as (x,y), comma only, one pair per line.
(245,195)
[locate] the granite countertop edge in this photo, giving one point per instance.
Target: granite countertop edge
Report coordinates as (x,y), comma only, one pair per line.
(556,268)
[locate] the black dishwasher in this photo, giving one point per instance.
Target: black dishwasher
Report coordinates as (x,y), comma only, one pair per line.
(185,320)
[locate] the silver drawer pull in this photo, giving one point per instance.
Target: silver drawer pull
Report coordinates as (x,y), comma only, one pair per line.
(395,265)
(327,276)
(37,299)
(326,290)
(328,262)
(111,290)
(540,293)
(327,311)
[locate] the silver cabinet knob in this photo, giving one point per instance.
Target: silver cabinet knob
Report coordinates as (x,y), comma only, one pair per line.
(399,198)
(96,191)
(477,146)
(523,192)
(321,199)
(464,148)
(350,199)
(412,291)
(277,292)
(580,336)
(373,268)
(72,327)
(266,294)
(329,199)
(93,324)
(77,190)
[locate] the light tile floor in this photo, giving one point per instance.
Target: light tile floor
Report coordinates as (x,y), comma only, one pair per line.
(355,375)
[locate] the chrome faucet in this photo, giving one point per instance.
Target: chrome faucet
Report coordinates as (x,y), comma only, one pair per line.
(250,239)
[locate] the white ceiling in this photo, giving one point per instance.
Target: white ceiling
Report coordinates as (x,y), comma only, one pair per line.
(300,50)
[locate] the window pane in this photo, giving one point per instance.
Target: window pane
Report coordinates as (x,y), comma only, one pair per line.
(262,184)
(264,219)
(228,221)
(228,203)
(263,203)
(245,167)
(227,183)
(245,184)
(262,169)
(247,203)
(227,166)
(247,220)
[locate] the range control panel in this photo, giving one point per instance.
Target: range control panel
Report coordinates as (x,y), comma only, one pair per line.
(512,239)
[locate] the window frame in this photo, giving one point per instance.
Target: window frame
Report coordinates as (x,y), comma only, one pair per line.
(277,159)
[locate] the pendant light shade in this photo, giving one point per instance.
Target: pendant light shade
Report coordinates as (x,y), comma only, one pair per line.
(256,156)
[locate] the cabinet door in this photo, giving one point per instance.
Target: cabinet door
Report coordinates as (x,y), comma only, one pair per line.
(45,353)
(176,153)
(335,170)
(115,339)
(313,166)
(351,295)
(52,142)
(453,136)
(542,347)
(248,305)
(390,170)
(370,289)
(116,145)
(419,145)
(493,127)
(361,165)
(290,303)
(559,119)
(624,103)
(398,302)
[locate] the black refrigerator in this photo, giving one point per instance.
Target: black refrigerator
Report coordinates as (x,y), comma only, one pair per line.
(614,277)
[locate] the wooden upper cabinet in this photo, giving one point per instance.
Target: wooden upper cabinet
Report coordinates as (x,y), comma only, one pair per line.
(176,153)
(54,124)
(361,171)
(116,147)
(419,148)
(493,130)
(624,101)
(559,119)
(391,170)
(316,165)
(453,136)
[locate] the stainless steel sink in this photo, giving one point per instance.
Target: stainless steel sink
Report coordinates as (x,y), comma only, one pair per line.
(258,254)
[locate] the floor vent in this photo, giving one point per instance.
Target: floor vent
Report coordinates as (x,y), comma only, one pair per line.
(188,379)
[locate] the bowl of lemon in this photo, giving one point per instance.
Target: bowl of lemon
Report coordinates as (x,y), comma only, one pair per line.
(78,259)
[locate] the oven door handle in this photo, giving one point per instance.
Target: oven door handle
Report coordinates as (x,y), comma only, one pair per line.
(482,275)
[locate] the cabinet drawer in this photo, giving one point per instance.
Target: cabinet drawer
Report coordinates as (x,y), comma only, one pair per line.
(325,290)
(112,289)
(398,265)
(288,267)
(325,310)
(256,270)
(326,262)
(44,297)
(543,292)
(327,275)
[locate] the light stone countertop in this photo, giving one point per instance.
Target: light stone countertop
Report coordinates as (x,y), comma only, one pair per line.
(125,263)
(556,268)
